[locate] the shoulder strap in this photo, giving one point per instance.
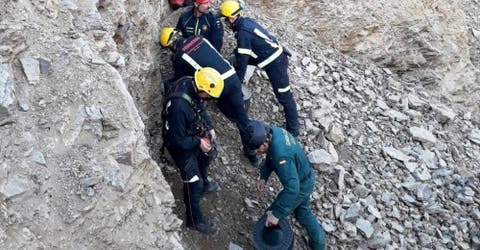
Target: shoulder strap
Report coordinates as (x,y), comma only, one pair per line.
(182,95)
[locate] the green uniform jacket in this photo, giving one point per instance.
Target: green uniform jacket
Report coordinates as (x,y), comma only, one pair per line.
(286,157)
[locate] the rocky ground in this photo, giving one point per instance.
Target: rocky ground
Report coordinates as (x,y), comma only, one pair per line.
(397,164)
(397,158)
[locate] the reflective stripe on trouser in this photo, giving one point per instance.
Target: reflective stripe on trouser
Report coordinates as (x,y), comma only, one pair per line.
(192,192)
(233,107)
(277,72)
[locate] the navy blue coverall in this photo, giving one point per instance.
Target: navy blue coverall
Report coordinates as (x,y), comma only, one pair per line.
(287,159)
(207,25)
(196,52)
(183,143)
(257,47)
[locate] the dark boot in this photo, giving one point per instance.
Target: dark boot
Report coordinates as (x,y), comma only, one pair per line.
(210,188)
(205,227)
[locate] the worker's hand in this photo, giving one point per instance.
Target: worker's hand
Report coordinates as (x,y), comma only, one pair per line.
(205,145)
(271,220)
(212,134)
(260,185)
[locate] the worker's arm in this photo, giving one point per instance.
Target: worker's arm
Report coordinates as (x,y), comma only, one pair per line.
(216,36)
(265,169)
(284,204)
(243,53)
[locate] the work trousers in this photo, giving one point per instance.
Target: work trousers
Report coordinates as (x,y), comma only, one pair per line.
(233,107)
(195,163)
(277,72)
(305,216)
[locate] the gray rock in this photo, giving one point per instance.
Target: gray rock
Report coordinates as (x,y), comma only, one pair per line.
(328,227)
(90,181)
(374,211)
(424,192)
(31,68)
(396,154)
(387,196)
(353,211)
(331,150)
(336,135)
(350,228)
(380,240)
(44,65)
(411,166)
(15,185)
(38,157)
(474,136)
(428,158)
(423,174)
(370,201)
(425,239)
(422,135)
(476,34)
(382,105)
(365,226)
(371,125)
(443,114)
(416,103)
(361,191)
(7,92)
(396,115)
(312,67)
(233,246)
(341,177)
(407,198)
(306,61)
(320,156)
(314,90)
(396,226)
(23,105)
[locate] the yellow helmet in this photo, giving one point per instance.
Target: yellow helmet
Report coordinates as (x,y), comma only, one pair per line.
(231,8)
(209,80)
(167,36)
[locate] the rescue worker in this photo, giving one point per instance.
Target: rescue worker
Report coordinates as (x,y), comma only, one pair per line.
(287,159)
(187,129)
(195,52)
(258,47)
(198,20)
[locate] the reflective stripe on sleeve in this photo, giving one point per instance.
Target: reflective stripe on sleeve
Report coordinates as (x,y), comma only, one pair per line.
(247,52)
(266,38)
(190,61)
(227,74)
(271,58)
(283,90)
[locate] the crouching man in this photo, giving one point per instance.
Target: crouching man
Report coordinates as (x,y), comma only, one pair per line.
(287,159)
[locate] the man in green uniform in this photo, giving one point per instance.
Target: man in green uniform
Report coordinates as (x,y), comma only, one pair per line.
(287,159)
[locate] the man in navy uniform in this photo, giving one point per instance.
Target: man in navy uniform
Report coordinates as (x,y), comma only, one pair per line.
(287,159)
(258,47)
(195,52)
(187,132)
(198,20)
